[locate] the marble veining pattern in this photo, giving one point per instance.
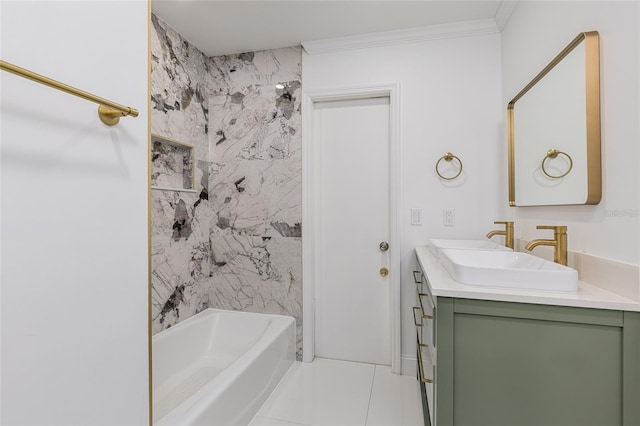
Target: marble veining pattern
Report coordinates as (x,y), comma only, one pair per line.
(236,242)
(180,221)
(180,257)
(256,183)
(179,91)
(256,148)
(258,274)
(233,73)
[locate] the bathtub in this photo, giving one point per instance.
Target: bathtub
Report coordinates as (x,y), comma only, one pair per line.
(218,367)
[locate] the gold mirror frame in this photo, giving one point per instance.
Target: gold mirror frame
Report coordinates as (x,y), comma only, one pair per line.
(592,90)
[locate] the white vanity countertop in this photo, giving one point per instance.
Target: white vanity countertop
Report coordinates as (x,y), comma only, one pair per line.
(587,296)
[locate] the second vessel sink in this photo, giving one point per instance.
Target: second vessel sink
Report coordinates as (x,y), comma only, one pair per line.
(508,269)
(437,245)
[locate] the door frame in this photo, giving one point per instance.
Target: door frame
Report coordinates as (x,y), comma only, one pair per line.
(310,194)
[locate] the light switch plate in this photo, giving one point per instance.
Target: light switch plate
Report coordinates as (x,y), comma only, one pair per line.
(416,217)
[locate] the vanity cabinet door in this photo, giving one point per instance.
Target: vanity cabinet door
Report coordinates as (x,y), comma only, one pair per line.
(530,365)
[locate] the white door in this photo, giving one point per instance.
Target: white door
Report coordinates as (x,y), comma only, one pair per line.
(352,296)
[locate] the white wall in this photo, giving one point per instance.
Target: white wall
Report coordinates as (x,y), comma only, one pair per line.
(535,33)
(74,217)
(449,101)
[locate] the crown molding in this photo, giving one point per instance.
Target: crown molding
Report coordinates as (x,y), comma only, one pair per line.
(411,35)
(504,12)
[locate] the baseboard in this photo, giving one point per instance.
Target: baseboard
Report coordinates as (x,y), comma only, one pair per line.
(409,365)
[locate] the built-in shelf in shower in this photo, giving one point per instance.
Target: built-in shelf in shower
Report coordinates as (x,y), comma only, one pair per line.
(171,165)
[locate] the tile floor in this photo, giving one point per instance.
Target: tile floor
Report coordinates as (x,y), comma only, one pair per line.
(339,393)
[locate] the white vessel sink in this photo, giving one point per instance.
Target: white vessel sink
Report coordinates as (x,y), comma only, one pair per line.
(437,245)
(508,269)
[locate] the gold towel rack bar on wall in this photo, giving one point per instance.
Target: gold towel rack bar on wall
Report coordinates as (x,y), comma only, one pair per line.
(109,112)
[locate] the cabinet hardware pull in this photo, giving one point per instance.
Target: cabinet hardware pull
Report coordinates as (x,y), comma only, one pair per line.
(422,379)
(416,278)
(414,317)
(422,306)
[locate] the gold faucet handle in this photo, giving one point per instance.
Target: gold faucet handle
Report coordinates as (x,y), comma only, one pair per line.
(508,223)
(558,229)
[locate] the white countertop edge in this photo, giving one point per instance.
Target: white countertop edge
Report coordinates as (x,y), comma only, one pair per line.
(588,296)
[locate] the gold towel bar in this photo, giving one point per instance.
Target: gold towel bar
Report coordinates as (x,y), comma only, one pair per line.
(109,112)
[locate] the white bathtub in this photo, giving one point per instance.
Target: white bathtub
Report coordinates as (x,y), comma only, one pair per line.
(218,367)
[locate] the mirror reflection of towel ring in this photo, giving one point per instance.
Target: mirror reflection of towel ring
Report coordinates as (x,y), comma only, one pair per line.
(448,157)
(553,153)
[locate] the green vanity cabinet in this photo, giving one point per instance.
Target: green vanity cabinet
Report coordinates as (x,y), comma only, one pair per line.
(517,364)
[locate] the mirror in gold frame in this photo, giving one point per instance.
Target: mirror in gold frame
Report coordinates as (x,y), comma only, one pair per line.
(554,131)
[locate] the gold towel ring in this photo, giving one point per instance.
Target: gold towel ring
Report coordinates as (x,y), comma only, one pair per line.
(553,153)
(448,157)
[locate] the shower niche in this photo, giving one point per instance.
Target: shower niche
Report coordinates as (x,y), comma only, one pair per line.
(171,165)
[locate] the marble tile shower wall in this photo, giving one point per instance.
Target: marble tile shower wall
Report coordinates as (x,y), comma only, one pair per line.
(236,242)
(181,220)
(256,183)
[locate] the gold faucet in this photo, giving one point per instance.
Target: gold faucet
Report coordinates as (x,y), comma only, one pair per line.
(508,233)
(559,243)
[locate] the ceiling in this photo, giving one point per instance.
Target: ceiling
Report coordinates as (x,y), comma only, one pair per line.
(226,27)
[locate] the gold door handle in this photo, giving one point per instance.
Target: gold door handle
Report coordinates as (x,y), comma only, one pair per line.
(384,272)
